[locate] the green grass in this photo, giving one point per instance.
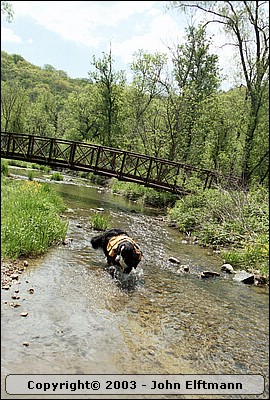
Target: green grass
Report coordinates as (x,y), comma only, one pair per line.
(235,222)
(30,175)
(30,218)
(57,176)
(253,255)
(4,167)
(99,221)
(25,164)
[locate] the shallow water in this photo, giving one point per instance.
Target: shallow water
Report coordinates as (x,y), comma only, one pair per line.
(80,321)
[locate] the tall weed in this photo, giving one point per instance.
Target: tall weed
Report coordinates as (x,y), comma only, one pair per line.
(30,220)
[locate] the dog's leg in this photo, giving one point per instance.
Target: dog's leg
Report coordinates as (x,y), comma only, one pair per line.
(110,260)
(111,271)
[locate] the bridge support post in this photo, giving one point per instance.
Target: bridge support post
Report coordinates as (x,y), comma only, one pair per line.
(30,147)
(123,163)
(149,169)
(52,140)
(72,154)
(8,143)
(176,177)
(98,155)
(206,184)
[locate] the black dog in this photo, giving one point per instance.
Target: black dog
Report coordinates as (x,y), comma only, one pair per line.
(119,249)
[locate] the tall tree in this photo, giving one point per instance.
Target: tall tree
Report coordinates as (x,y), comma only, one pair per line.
(247,24)
(197,77)
(110,84)
(81,118)
(43,115)
(13,107)
(147,87)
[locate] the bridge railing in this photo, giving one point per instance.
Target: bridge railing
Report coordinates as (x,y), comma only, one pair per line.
(121,164)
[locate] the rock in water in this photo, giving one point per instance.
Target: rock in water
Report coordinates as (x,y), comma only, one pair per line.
(245,277)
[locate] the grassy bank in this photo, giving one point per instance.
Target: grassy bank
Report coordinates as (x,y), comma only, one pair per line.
(235,222)
(30,218)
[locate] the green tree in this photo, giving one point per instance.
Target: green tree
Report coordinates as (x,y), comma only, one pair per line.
(197,77)
(111,85)
(43,114)
(13,107)
(195,67)
(145,97)
(221,125)
(80,118)
(246,22)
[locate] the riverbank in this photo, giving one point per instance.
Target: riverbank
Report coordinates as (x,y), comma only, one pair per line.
(233,224)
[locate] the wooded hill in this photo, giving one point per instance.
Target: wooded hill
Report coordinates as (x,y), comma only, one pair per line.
(181,116)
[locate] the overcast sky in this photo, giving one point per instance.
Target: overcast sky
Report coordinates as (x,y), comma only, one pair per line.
(67,34)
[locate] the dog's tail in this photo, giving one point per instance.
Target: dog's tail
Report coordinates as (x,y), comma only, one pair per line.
(97,242)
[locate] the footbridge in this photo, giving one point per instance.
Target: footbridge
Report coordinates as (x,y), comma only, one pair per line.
(111,162)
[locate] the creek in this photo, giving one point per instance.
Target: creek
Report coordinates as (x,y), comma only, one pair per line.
(80,321)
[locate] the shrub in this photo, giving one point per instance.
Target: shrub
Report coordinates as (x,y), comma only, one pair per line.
(96,179)
(30,175)
(4,167)
(56,176)
(44,168)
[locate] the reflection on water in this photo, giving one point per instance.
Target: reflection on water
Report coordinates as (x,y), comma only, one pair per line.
(80,321)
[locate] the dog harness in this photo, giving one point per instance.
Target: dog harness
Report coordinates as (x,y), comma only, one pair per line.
(116,240)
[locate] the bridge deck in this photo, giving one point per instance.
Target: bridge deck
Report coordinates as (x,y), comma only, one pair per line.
(121,164)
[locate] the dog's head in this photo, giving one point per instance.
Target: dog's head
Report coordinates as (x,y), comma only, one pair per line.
(129,257)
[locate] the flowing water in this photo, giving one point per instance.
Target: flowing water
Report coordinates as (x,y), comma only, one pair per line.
(80,321)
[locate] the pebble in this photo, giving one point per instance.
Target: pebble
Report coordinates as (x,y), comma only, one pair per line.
(174,260)
(24,314)
(206,274)
(228,268)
